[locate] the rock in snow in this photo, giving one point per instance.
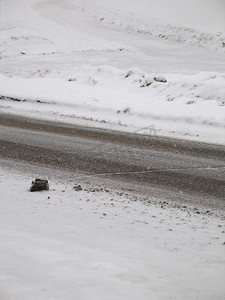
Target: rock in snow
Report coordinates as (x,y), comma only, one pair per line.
(39,185)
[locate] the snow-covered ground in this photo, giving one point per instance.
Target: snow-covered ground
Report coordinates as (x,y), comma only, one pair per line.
(124,65)
(97,243)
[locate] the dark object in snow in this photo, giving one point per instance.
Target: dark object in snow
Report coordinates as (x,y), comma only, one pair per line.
(39,185)
(77,188)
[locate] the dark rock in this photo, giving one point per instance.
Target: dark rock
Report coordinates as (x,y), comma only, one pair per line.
(39,185)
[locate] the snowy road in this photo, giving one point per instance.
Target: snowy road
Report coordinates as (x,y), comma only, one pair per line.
(190,171)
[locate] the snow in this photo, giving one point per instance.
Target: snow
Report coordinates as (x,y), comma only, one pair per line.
(98,243)
(152,67)
(205,15)
(190,105)
(93,61)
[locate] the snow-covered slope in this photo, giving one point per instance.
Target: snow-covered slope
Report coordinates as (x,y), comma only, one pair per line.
(205,15)
(162,63)
(198,23)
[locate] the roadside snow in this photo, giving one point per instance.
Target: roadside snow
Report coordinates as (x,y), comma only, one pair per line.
(190,106)
(95,243)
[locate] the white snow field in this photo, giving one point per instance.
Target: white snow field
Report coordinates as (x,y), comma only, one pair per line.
(98,244)
(119,64)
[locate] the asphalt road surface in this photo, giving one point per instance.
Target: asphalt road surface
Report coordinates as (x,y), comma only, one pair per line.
(172,169)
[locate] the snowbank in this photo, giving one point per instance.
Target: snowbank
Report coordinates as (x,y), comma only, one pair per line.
(205,15)
(179,21)
(190,106)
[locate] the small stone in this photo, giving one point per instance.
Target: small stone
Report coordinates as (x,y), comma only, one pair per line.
(39,185)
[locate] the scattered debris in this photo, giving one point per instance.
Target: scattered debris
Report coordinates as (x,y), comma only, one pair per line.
(128,74)
(98,190)
(126,110)
(145,83)
(39,185)
(11,99)
(78,188)
(190,102)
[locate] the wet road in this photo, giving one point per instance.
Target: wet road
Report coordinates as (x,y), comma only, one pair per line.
(171,168)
